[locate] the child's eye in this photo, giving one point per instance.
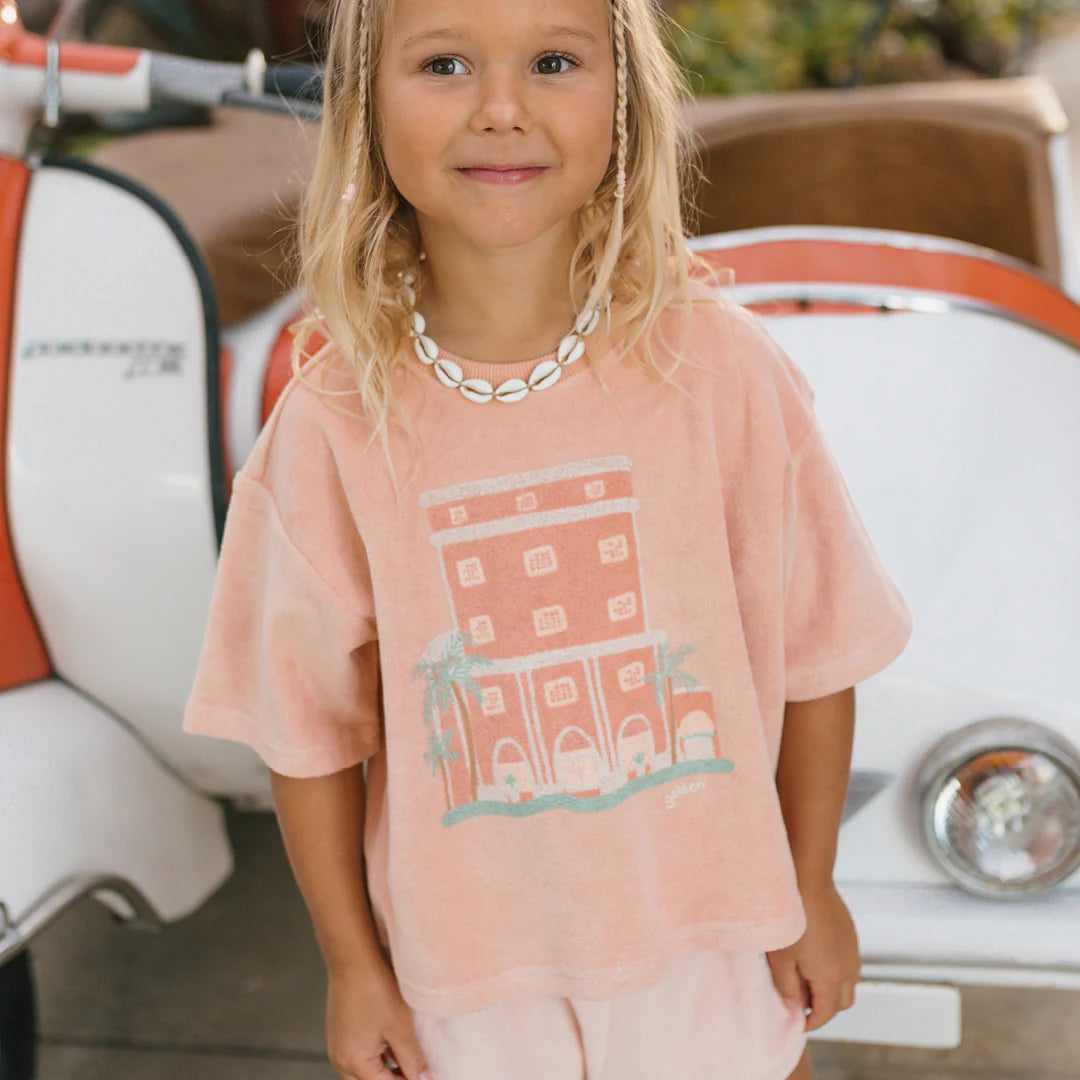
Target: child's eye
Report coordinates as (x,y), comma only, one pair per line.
(440,60)
(548,58)
(556,56)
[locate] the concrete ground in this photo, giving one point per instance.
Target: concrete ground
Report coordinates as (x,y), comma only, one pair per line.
(236,991)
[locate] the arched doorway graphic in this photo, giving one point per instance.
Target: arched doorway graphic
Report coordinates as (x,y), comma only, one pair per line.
(578,764)
(635,745)
(697,734)
(512,771)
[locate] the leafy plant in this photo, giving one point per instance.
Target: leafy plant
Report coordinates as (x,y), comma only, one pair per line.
(736,46)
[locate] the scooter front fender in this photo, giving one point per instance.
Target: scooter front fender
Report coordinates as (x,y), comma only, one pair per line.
(87,809)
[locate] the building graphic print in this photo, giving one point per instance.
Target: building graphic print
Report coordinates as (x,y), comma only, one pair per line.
(552,690)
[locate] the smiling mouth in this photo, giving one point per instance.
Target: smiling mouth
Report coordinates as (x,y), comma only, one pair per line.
(504,176)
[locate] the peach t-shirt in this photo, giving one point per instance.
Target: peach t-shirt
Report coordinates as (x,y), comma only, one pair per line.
(569,583)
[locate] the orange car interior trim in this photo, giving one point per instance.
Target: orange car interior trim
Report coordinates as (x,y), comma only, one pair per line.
(1006,288)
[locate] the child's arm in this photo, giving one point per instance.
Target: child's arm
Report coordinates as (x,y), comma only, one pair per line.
(811,779)
(322,824)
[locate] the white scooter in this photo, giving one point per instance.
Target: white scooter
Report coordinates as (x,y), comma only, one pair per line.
(946,377)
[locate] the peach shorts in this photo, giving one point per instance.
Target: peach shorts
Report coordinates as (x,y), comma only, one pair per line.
(714,1016)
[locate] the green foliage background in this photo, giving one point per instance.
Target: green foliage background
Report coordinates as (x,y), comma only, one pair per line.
(734,46)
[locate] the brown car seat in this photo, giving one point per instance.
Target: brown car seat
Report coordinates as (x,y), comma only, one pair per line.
(966,160)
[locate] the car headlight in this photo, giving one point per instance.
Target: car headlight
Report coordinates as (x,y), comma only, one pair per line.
(999,805)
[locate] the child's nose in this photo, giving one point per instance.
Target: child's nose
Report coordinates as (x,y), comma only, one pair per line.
(502,104)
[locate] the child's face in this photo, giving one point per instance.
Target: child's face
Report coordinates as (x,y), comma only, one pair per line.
(490,92)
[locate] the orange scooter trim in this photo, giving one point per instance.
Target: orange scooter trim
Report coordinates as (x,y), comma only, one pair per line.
(19,47)
(23,658)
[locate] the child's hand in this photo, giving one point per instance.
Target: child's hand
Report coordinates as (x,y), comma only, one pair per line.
(821,969)
(364,1013)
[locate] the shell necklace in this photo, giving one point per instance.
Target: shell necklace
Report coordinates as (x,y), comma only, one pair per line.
(545,374)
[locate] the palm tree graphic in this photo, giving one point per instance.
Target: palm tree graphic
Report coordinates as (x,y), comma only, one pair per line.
(439,753)
(445,679)
(665,678)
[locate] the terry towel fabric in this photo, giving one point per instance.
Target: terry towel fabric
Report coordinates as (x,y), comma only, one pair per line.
(564,653)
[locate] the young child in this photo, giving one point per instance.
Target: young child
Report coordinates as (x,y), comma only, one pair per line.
(559,729)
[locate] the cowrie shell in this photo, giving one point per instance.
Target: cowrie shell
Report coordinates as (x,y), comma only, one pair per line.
(418,345)
(587,321)
(512,390)
(545,374)
(449,373)
(575,353)
(419,325)
(409,294)
(566,345)
(477,390)
(429,347)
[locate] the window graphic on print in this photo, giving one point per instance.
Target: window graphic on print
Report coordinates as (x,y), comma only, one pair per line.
(552,690)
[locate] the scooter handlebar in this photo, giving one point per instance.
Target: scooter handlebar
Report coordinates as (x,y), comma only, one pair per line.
(299,82)
(292,88)
(102,77)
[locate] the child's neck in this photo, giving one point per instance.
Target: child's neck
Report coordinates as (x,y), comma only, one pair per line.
(497,340)
(496,311)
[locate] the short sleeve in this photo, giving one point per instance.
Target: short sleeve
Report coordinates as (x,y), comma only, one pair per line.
(844,616)
(289,660)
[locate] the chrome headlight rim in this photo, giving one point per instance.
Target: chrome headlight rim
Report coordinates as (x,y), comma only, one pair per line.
(957,751)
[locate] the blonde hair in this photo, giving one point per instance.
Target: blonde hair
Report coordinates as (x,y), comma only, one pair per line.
(355,250)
